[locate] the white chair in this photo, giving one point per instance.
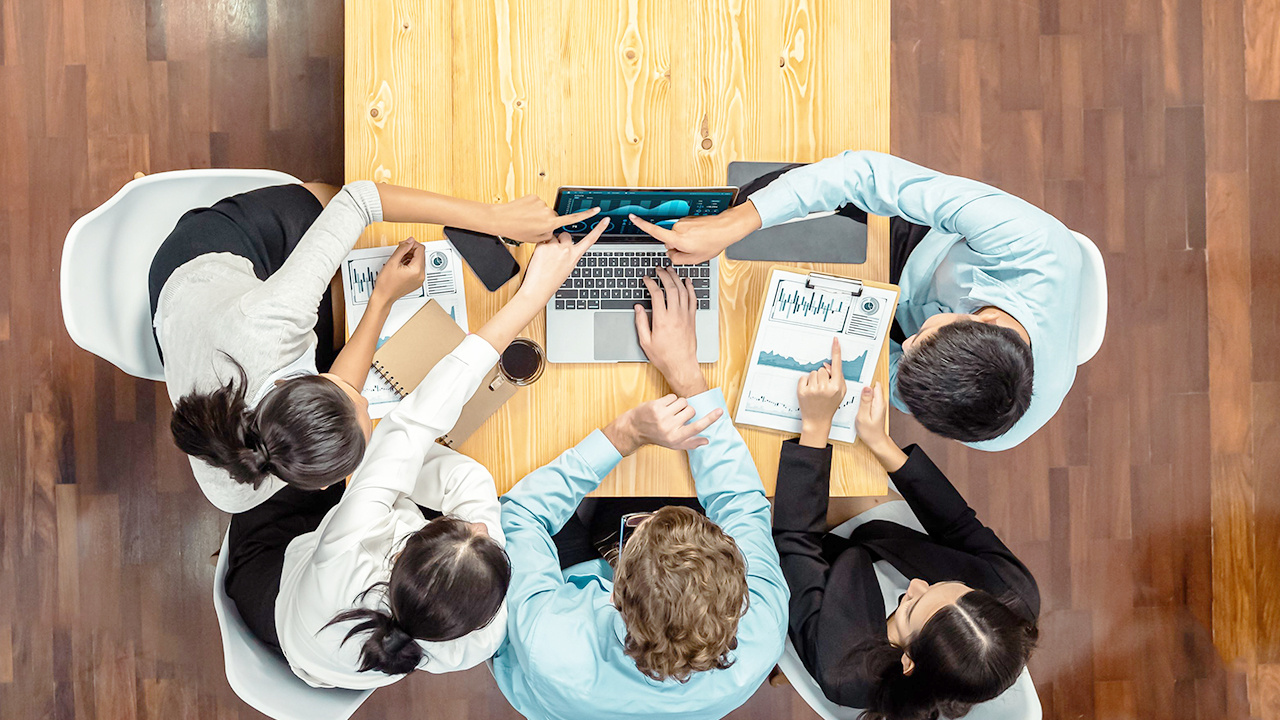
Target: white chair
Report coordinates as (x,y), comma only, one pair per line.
(1093,300)
(107,257)
(262,678)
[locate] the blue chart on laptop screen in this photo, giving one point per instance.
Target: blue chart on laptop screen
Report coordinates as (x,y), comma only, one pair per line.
(660,207)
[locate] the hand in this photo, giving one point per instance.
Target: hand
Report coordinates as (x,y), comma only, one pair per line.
(660,422)
(671,343)
(821,393)
(693,240)
(530,220)
(553,261)
(870,422)
(404,272)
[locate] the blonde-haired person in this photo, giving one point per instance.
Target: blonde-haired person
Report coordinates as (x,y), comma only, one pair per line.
(694,616)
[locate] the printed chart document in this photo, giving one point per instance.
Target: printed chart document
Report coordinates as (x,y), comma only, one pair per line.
(443,284)
(802,313)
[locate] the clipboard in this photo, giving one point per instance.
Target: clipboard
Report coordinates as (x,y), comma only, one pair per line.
(800,315)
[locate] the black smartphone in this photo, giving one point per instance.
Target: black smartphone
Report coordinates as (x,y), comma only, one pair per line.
(487,256)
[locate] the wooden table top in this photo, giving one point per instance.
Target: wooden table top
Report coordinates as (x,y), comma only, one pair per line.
(494,100)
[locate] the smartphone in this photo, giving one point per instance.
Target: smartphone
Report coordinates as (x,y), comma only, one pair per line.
(628,525)
(486,255)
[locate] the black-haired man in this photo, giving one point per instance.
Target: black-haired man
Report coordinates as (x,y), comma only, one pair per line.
(990,288)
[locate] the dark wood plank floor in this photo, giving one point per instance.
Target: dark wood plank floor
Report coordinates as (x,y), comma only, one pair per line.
(1149,507)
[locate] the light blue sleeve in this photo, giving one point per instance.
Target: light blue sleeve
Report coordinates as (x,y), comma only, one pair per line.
(534,510)
(730,490)
(992,221)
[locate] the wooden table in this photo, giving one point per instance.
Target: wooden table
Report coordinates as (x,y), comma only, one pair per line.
(495,99)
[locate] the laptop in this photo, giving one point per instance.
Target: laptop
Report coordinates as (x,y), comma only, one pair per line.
(590,319)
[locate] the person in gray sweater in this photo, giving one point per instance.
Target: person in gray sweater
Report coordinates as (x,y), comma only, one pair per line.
(242,317)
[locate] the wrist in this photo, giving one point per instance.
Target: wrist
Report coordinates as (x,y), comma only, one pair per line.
(747,218)
(815,433)
(379,303)
(621,435)
(888,453)
(687,380)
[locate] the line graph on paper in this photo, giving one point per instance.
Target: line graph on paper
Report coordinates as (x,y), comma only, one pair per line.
(796,304)
(784,353)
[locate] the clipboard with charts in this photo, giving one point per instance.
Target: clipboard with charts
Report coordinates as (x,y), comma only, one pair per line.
(801,313)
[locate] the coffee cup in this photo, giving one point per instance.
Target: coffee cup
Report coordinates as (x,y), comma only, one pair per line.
(521,363)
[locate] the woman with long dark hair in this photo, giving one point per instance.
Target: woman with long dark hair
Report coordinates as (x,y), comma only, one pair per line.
(243,319)
(375,589)
(922,611)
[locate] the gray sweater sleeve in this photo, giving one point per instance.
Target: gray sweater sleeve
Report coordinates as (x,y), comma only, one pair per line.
(292,294)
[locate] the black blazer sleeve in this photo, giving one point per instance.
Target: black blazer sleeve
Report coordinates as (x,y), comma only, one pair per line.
(827,639)
(951,522)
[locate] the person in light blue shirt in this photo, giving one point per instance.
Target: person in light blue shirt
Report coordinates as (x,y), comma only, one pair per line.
(694,617)
(985,343)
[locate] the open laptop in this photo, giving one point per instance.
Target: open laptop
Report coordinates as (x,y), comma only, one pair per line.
(591,319)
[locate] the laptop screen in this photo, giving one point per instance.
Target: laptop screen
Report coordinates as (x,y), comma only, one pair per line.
(659,206)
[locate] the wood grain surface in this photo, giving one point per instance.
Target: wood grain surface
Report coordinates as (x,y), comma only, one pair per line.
(1148,508)
(494,100)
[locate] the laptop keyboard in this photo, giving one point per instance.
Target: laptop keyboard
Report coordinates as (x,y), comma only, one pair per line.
(613,281)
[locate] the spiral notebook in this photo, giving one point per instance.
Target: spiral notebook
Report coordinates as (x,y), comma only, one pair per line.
(431,334)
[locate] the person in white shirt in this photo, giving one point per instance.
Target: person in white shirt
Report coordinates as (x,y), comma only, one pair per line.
(240,308)
(373,589)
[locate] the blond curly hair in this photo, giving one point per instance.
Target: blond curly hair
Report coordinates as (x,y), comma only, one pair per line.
(681,587)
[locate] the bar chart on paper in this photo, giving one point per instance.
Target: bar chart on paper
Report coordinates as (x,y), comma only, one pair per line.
(794,303)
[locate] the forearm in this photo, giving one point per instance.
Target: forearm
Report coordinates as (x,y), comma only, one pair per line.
(405,204)
(552,493)
(353,362)
(507,323)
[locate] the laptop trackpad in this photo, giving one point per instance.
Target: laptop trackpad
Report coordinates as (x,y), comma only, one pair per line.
(616,338)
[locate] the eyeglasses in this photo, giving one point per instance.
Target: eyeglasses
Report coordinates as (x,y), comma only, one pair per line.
(627,527)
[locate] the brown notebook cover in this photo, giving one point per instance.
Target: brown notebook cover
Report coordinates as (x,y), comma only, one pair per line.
(425,340)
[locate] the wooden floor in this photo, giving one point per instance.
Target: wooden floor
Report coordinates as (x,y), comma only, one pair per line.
(1149,508)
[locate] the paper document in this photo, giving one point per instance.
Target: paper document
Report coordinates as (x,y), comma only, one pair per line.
(443,284)
(799,319)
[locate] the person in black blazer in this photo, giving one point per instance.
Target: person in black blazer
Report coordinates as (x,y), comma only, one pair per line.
(965,621)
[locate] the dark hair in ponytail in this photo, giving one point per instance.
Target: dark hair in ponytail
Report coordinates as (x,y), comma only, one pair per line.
(305,431)
(967,653)
(446,583)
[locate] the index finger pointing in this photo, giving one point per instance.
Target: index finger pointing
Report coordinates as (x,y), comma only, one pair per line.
(578,216)
(836,370)
(591,237)
(658,232)
(696,428)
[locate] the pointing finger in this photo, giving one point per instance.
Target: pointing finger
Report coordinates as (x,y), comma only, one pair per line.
(578,216)
(592,236)
(656,231)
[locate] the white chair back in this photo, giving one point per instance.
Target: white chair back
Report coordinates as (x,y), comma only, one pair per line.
(107,257)
(261,677)
(1019,702)
(1093,300)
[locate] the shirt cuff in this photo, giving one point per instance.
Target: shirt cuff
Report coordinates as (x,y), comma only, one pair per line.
(599,454)
(705,402)
(476,352)
(775,203)
(366,192)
